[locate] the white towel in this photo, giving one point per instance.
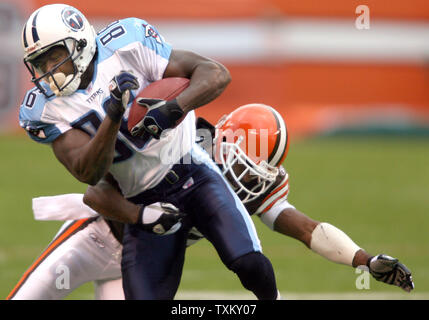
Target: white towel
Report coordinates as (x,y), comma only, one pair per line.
(62,207)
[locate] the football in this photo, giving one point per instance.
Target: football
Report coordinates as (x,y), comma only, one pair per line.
(166,89)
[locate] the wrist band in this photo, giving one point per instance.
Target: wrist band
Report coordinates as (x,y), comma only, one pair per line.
(114,111)
(369,261)
(140,217)
(175,111)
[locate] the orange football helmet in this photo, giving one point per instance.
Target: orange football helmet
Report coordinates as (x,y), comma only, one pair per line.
(255,137)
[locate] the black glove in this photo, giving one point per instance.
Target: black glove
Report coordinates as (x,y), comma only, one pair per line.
(119,88)
(161,115)
(391,271)
(160,218)
(193,237)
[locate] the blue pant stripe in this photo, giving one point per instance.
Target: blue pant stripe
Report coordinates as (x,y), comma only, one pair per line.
(198,154)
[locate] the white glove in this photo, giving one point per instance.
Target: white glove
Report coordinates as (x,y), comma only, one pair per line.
(160,218)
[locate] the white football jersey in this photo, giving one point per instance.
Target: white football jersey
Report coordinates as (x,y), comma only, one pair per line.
(132,45)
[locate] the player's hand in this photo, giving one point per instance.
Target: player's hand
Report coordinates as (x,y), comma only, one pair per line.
(161,115)
(390,270)
(193,236)
(119,88)
(160,218)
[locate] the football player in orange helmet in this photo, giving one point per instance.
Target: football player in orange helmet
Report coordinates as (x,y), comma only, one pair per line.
(251,145)
(251,142)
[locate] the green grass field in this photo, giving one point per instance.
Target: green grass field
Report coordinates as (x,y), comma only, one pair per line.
(375,189)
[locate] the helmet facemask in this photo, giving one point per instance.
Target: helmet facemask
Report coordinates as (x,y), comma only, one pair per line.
(59,87)
(250,144)
(249,179)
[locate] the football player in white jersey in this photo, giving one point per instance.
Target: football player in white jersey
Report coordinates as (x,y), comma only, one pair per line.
(84,85)
(267,199)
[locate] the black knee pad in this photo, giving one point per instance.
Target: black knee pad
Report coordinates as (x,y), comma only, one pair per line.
(256,274)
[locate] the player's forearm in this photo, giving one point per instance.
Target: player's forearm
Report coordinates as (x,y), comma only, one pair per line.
(334,245)
(295,224)
(322,238)
(109,202)
(96,157)
(208,80)
(98,154)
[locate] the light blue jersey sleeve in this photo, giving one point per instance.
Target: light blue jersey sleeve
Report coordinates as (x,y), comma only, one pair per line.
(30,115)
(147,47)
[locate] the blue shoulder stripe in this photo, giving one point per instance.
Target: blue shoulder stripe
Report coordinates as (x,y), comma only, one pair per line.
(44,133)
(30,114)
(123,32)
(32,106)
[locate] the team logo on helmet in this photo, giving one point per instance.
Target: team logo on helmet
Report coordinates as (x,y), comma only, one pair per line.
(73,19)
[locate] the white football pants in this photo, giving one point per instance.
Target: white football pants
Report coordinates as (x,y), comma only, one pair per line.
(82,251)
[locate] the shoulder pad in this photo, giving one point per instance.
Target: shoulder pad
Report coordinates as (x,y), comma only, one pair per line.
(127,31)
(32,106)
(278,191)
(30,117)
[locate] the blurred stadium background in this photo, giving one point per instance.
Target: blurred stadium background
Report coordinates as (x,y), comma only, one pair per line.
(356,102)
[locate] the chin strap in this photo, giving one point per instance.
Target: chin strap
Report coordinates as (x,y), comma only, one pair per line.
(59,79)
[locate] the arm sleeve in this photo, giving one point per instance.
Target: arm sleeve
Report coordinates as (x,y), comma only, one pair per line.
(276,201)
(278,192)
(270,216)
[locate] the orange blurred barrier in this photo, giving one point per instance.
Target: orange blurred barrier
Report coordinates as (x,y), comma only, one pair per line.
(219,9)
(312,95)
(306,94)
